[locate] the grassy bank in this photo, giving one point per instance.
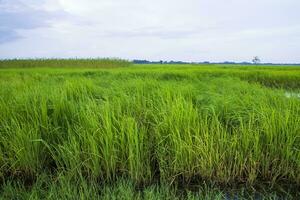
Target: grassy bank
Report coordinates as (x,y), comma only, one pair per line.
(63,63)
(173,126)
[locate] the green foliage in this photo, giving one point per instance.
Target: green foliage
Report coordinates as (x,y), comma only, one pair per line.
(61,63)
(62,188)
(174,125)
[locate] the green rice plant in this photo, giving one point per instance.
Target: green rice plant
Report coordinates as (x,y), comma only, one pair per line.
(173,125)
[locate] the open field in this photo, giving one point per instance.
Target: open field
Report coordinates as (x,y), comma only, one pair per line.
(148,131)
(64,63)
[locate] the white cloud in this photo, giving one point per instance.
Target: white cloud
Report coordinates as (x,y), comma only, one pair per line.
(160,29)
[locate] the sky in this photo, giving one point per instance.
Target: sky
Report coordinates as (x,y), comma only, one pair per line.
(187,30)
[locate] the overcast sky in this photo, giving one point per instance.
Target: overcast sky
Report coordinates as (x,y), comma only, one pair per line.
(189,30)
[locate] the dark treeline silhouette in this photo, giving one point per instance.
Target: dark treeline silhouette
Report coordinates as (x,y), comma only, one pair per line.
(159,62)
(207,62)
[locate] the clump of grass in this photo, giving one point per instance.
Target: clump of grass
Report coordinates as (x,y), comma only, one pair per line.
(63,188)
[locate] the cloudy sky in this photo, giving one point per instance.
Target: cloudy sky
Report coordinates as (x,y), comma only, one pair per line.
(190,30)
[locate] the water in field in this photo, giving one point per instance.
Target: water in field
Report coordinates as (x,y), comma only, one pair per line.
(292,95)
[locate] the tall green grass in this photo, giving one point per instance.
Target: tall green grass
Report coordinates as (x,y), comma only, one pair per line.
(61,63)
(65,189)
(148,126)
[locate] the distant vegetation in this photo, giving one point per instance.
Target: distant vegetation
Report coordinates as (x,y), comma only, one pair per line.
(152,132)
(70,63)
(255,61)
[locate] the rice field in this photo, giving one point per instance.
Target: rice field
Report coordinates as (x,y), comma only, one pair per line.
(64,63)
(109,129)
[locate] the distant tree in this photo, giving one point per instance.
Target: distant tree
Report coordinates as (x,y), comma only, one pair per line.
(256,60)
